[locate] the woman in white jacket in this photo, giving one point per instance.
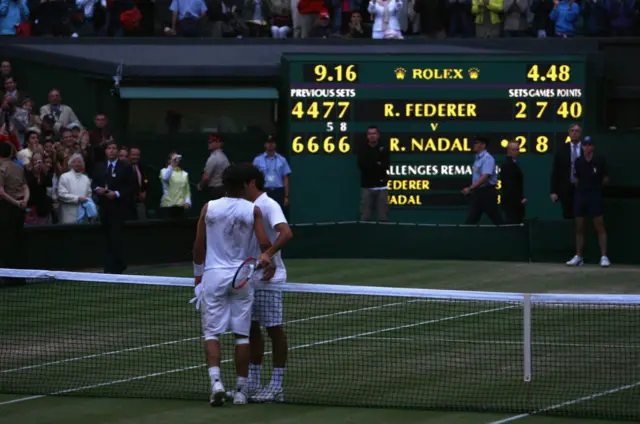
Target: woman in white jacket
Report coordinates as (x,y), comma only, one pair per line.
(73,188)
(386,23)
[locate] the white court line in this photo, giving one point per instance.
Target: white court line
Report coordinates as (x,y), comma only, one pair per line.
(323,342)
(505,342)
(568,403)
(171,342)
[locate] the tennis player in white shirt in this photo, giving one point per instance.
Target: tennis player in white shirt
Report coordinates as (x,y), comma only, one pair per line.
(267,306)
(227,231)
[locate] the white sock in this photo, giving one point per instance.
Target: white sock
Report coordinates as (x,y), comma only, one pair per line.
(214,375)
(277,378)
(255,375)
(241,384)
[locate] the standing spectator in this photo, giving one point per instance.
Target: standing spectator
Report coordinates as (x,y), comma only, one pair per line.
(11,89)
(308,14)
(216,164)
(186,17)
(622,15)
(565,13)
(12,14)
(385,14)
(482,191)
(140,194)
(563,179)
(14,196)
(74,189)
(176,192)
(5,69)
(62,115)
(88,8)
(52,190)
(98,138)
(488,15)
(123,154)
(513,200)
(592,174)
(433,17)
(460,19)
(34,119)
(114,184)
(52,19)
(596,18)
(374,161)
(39,212)
(276,172)
(542,23)
(515,17)
(17,118)
(33,146)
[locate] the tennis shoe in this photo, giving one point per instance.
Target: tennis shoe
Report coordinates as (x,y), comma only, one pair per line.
(605,262)
(576,261)
(253,392)
(270,394)
(218,395)
(239,398)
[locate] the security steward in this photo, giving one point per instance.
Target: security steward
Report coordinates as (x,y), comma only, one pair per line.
(591,175)
(513,200)
(482,191)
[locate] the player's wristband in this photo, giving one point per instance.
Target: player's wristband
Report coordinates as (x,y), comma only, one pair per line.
(198,269)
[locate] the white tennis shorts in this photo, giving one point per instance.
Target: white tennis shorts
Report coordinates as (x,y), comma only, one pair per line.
(267,306)
(223,307)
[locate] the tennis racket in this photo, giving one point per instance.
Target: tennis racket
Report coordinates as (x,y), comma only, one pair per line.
(244,273)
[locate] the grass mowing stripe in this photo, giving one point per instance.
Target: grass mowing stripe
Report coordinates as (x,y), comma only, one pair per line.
(568,403)
(171,342)
(304,346)
(506,342)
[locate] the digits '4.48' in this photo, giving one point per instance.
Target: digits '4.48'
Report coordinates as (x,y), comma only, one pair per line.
(342,126)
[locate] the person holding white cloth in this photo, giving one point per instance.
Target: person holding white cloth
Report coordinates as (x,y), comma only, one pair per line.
(74,189)
(386,24)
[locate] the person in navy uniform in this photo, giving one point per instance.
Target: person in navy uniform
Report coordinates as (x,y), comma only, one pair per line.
(591,175)
(562,184)
(276,172)
(513,200)
(114,184)
(482,191)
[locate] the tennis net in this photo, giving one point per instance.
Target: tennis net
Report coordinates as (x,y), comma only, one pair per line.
(67,333)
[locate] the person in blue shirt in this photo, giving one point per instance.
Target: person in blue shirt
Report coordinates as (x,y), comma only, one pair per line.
(276,172)
(565,13)
(12,13)
(482,191)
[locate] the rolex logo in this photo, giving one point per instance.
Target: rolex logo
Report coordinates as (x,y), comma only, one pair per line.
(474,73)
(400,73)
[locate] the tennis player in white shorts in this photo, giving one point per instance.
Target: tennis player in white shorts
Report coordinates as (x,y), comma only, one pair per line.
(267,305)
(229,226)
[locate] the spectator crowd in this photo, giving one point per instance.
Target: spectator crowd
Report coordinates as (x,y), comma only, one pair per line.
(378,19)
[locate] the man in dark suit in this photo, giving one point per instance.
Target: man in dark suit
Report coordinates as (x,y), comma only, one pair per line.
(114,184)
(563,180)
(513,200)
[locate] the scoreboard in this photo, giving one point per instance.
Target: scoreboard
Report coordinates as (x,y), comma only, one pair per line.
(428,110)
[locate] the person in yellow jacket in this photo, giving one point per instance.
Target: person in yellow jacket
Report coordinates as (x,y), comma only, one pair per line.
(488,17)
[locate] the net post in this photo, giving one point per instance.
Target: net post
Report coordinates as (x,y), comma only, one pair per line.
(527,336)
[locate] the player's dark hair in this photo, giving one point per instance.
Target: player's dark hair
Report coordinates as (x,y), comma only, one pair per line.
(253,173)
(5,150)
(233,179)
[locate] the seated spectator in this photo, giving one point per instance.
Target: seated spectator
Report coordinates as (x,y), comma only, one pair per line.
(385,14)
(433,17)
(74,189)
(488,15)
(622,15)
(39,205)
(5,69)
(61,115)
(565,13)
(12,14)
(322,26)
(176,192)
(33,119)
(9,137)
(33,146)
(281,22)
(257,14)
(17,118)
(355,26)
(515,17)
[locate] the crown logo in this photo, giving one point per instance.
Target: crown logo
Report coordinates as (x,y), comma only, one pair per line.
(400,73)
(474,73)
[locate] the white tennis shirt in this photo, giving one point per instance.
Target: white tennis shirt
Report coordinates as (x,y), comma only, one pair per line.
(272,216)
(229,232)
